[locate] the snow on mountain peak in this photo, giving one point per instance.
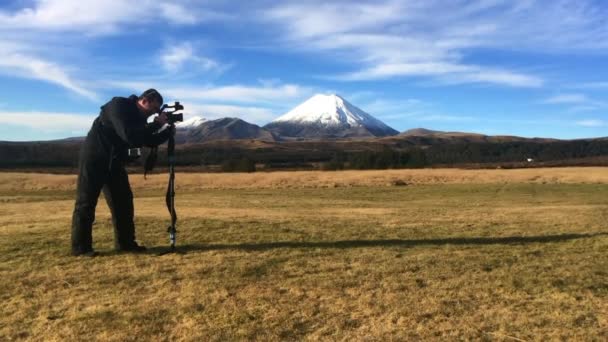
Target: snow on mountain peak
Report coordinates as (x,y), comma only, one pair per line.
(193,122)
(329,110)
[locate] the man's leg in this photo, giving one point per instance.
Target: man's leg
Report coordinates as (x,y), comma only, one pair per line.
(91,177)
(119,197)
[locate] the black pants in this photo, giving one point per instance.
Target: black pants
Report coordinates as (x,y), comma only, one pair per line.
(95,175)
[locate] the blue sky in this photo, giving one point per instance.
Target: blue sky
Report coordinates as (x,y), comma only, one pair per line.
(517,67)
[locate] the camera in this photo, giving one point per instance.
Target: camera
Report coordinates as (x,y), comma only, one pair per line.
(172,116)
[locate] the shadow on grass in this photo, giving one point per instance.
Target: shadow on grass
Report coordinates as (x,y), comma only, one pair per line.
(342,244)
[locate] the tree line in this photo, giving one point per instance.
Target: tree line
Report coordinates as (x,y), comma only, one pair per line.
(319,156)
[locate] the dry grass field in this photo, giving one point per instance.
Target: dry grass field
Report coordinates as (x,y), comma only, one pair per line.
(499,255)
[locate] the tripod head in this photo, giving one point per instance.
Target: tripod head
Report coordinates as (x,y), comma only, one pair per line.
(172,116)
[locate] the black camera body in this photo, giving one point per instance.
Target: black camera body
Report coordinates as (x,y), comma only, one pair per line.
(172,116)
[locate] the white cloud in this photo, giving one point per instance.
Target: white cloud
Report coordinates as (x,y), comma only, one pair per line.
(179,14)
(256,104)
(448,73)
(96,16)
(567,99)
(276,95)
(405,69)
(592,123)
(240,93)
(400,111)
(257,115)
(584,108)
(48,121)
(22,65)
(183,55)
(592,85)
(434,38)
(388,109)
(502,77)
(578,102)
(310,19)
(47,39)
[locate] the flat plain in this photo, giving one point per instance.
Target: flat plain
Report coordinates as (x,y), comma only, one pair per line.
(431,254)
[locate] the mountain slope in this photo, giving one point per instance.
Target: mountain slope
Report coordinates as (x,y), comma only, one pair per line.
(223,129)
(328,116)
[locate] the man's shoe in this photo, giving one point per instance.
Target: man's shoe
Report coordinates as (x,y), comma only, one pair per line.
(88,253)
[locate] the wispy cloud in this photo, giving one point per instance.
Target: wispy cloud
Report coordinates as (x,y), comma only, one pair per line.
(578,102)
(34,39)
(584,108)
(179,14)
(377,40)
(567,99)
(99,16)
(253,103)
(240,93)
(592,85)
(385,106)
(410,111)
(257,115)
(383,71)
(494,76)
(184,56)
(23,65)
(318,19)
(592,123)
(388,109)
(447,73)
(433,38)
(274,94)
(90,17)
(48,121)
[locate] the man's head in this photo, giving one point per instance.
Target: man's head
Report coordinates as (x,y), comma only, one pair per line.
(149,102)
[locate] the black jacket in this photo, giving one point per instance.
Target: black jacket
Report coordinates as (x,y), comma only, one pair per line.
(118,127)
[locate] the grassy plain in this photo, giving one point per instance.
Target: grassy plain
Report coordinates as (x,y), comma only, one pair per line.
(355,255)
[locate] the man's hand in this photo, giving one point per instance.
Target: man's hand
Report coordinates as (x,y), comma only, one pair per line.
(161,118)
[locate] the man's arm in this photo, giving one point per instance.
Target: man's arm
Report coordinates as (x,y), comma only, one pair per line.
(156,139)
(134,135)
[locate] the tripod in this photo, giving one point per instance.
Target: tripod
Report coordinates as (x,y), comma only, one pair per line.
(170,196)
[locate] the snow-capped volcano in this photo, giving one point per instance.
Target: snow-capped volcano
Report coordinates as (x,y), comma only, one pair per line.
(328,116)
(328,110)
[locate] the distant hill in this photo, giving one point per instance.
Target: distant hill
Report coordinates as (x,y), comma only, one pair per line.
(423,136)
(418,131)
(223,129)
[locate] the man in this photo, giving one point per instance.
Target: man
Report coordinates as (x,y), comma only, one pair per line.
(121,124)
